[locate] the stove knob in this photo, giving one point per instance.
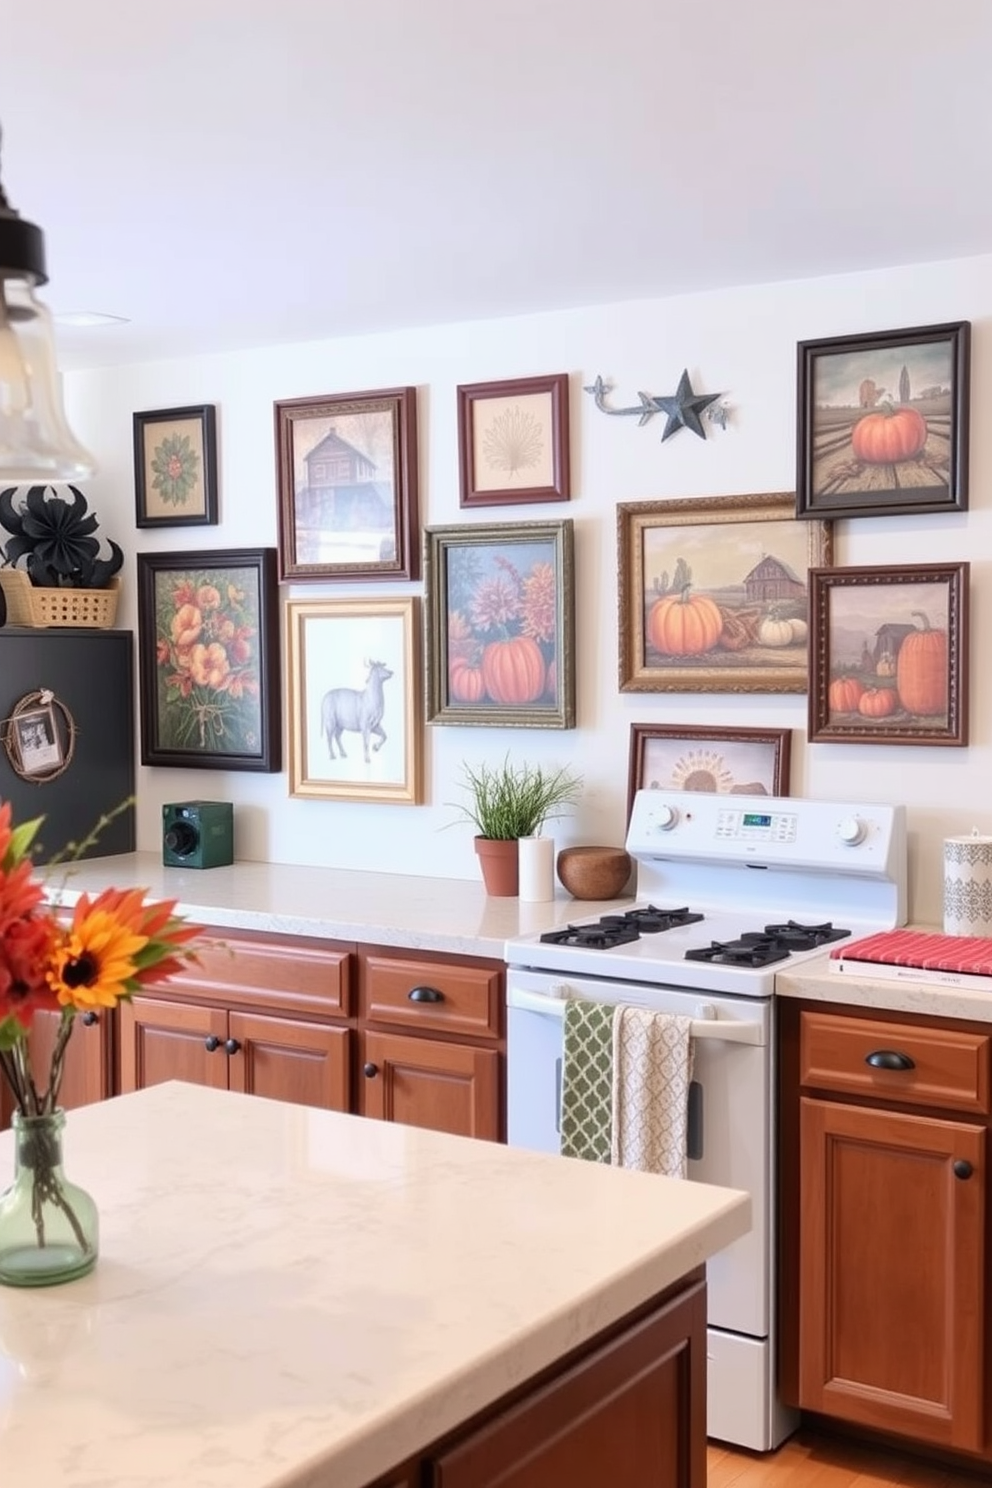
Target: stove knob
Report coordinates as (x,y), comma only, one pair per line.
(666,817)
(851,831)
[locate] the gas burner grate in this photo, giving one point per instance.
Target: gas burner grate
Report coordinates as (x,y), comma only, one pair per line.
(592,937)
(758,950)
(806,937)
(649,920)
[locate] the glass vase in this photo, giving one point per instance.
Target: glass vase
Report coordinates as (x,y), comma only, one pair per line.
(49,1229)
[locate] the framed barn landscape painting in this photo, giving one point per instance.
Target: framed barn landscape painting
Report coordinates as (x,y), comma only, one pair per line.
(499,629)
(883,423)
(889,654)
(347,481)
(713,593)
(354,699)
(208,654)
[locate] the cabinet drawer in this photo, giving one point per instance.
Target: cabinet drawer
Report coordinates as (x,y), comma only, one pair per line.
(442,996)
(290,973)
(947,1069)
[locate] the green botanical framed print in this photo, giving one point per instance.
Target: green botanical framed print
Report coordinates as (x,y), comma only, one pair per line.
(208,659)
(175,467)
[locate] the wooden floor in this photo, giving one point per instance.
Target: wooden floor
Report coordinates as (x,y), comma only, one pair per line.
(807,1460)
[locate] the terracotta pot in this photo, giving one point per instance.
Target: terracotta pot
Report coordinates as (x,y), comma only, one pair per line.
(499,861)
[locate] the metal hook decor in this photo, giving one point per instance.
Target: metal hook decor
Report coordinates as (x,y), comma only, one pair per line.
(682,408)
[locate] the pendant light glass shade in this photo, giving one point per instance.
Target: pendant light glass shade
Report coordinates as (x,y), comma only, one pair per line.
(36,443)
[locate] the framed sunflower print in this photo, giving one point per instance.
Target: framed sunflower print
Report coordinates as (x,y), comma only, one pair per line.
(208,659)
(175,467)
(722,761)
(499,629)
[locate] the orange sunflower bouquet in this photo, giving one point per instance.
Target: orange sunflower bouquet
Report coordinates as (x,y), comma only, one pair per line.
(112,946)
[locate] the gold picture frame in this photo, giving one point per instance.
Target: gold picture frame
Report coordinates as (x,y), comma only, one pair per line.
(342,655)
(713,593)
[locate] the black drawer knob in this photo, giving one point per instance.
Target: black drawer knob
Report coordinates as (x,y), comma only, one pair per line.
(90,1018)
(425,994)
(963,1168)
(231,1045)
(889,1059)
(211,1042)
(370,1070)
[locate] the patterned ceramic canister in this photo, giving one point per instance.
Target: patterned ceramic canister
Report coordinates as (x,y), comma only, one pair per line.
(968,885)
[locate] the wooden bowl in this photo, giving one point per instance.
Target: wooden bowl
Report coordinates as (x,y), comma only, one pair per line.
(594,872)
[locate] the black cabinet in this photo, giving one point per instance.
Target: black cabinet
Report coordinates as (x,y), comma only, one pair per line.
(90,673)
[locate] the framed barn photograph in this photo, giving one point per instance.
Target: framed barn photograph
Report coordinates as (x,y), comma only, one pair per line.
(175,467)
(723,761)
(499,629)
(513,441)
(208,659)
(346,469)
(713,592)
(883,423)
(354,700)
(889,654)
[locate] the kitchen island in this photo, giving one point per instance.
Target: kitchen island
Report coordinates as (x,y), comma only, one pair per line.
(294,1298)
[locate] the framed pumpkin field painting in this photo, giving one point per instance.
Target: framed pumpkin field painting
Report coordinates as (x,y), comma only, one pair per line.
(883,423)
(499,625)
(713,593)
(889,654)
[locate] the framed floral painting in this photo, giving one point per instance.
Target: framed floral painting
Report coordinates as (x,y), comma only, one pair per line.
(500,624)
(175,467)
(208,659)
(721,761)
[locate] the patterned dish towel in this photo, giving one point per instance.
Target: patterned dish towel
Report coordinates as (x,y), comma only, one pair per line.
(652,1068)
(587,1080)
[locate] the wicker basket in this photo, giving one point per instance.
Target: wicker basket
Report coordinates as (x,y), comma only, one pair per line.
(38,608)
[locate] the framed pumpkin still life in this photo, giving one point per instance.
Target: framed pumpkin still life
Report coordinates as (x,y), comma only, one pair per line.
(889,654)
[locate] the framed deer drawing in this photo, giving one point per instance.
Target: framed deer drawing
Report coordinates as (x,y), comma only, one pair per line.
(354,700)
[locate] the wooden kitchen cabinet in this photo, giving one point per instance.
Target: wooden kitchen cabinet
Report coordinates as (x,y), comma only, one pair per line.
(266,1015)
(88,1072)
(432,1041)
(885,1236)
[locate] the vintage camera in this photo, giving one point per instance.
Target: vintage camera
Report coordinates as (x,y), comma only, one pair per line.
(198,834)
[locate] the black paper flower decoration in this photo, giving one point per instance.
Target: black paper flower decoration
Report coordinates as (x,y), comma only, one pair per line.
(56,539)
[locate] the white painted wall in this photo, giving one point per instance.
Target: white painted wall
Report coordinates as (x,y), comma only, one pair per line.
(741,342)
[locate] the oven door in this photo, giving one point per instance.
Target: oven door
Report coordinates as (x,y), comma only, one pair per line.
(730,1138)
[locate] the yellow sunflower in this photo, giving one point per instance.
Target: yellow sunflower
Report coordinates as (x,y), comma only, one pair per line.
(95,965)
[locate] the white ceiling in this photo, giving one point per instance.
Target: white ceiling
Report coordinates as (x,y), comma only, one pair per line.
(231,173)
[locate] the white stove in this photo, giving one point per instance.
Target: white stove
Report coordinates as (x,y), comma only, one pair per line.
(754,885)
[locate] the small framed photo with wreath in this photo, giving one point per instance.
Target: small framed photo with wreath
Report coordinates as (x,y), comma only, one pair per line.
(175,467)
(724,761)
(513,441)
(36,742)
(889,654)
(883,423)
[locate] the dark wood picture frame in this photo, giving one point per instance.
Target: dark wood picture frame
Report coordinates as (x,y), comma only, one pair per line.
(733,761)
(513,441)
(882,424)
(879,677)
(346,475)
(499,629)
(175,466)
(208,659)
(739,561)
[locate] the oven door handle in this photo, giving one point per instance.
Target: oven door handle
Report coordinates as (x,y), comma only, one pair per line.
(726,1030)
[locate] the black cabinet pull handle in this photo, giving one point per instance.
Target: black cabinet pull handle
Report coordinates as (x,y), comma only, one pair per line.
(231,1046)
(963,1168)
(370,1070)
(90,1018)
(889,1059)
(211,1042)
(425,994)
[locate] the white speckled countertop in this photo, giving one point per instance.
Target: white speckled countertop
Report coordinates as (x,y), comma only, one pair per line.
(814,981)
(437,914)
(293,1297)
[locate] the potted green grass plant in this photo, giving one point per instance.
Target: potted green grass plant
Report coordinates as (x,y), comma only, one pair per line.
(507,802)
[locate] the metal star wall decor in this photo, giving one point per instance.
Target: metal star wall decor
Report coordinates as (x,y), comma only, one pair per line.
(681,408)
